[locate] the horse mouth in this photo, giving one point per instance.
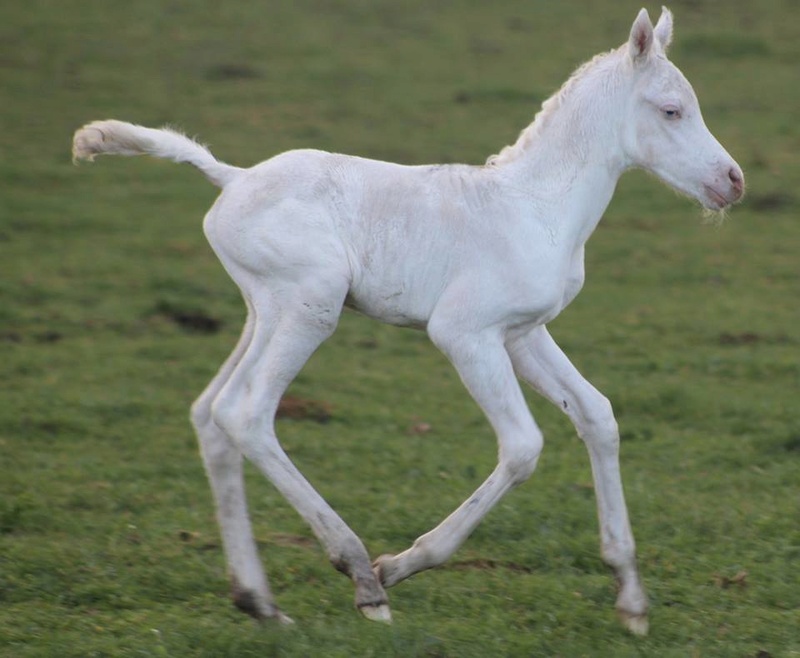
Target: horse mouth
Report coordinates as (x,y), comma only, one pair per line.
(716,200)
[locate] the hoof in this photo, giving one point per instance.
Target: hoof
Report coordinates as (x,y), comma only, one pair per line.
(636,624)
(270,614)
(380,612)
(282,619)
(252,604)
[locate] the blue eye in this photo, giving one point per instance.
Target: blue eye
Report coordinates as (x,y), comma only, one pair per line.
(671,112)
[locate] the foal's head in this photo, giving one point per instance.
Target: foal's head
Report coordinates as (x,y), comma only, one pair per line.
(664,130)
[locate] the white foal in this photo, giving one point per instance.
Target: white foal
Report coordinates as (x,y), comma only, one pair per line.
(481,257)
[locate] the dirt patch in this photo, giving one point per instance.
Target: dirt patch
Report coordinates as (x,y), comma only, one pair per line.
(483,564)
(739,579)
(232,71)
(751,338)
(745,338)
(190,320)
(293,541)
(297,408)
(771,201)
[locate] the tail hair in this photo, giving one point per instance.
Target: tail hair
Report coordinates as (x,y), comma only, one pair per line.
(121,138)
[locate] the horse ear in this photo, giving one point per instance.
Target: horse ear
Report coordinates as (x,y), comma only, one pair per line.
(663,29)
(641,39)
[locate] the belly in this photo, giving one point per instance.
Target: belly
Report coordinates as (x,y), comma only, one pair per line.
(393,302)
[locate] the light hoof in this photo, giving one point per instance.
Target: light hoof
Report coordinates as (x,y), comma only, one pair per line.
(380,612)
(636,624)
(283,619)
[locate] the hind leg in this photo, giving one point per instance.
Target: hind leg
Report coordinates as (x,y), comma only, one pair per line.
(287,328)
(223,464)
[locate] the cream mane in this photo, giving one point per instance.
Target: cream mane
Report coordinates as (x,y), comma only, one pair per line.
(549,107)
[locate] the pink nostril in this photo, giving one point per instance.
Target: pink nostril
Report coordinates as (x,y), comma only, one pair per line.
(736,180)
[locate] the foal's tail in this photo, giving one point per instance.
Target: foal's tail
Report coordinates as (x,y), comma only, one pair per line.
(122,138)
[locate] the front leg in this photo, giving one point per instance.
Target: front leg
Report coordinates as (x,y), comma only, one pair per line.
(540,362)
(482,361)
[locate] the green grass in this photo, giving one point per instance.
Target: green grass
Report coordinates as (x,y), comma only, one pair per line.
(108,545)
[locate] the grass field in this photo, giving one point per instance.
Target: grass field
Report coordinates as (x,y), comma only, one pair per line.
(114,314)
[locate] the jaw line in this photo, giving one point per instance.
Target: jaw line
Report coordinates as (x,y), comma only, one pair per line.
(702,196)
(712,201)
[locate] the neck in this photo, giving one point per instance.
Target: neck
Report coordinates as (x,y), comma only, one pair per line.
(569,160)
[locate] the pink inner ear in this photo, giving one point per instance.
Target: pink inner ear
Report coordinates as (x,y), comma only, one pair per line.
(642,41)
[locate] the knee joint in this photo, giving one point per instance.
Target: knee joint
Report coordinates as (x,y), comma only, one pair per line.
(520,462)
(598,424)
(225,416)
(235,419)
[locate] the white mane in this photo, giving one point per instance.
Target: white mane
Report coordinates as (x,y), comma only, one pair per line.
(549,107)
